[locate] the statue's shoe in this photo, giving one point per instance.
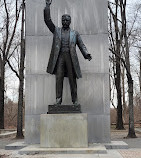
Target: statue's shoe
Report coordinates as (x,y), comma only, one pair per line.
(58,101)
(76,103)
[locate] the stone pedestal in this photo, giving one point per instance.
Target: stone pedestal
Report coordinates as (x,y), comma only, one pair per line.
(63,131)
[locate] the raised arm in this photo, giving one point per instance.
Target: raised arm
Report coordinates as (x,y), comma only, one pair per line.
(47,18)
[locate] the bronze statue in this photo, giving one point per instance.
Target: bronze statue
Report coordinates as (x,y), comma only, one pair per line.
(63,61)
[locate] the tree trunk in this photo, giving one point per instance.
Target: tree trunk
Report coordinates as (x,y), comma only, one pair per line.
(131,132)
(119,124)
(21,80)
(2,95)
(123,94)
(140,77)
(20,111)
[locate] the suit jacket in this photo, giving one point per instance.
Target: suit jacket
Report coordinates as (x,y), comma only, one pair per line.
(75,39)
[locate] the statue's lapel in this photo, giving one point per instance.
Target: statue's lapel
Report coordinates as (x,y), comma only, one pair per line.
(58,32)
(71,36)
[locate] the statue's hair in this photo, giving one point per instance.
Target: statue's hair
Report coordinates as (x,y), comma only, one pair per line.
(66,15)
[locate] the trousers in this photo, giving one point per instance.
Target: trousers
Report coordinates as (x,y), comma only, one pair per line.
(64,64)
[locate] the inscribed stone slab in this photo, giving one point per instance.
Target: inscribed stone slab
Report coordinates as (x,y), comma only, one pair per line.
(63,130)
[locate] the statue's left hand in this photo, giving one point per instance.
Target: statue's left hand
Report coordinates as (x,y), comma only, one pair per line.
(89,57)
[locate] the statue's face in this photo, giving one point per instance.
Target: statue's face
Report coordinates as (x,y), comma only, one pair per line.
(66,20)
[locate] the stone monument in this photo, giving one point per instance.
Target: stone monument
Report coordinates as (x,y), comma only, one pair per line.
(89,18)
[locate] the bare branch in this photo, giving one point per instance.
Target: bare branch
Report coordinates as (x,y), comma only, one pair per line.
(13,33)
(123,61)
(7,28)
(13,69)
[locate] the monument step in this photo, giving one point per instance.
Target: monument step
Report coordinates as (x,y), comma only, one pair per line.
(16,146)
(112,145)
(116,145)
(36,149)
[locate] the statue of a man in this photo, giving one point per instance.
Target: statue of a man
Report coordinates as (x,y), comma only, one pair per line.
(63,61)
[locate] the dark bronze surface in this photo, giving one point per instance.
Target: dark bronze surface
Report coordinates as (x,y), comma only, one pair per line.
(62,109)
(63,61)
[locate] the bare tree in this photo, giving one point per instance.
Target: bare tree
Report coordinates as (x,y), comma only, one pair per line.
(21,77)
(134,39)
(115,44)
(20,74)
(124,45)
(8,27)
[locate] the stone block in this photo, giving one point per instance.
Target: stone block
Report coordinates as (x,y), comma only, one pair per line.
(37,54)
(63,131)
(98,128)
(38,51)
(32,129)
(92,93)
(40,92)
(88,17)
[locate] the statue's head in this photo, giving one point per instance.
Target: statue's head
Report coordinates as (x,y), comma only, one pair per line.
(66,20)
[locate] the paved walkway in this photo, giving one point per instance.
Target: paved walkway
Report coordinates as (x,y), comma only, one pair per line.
(134,150)
(110,154)
(131,153)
